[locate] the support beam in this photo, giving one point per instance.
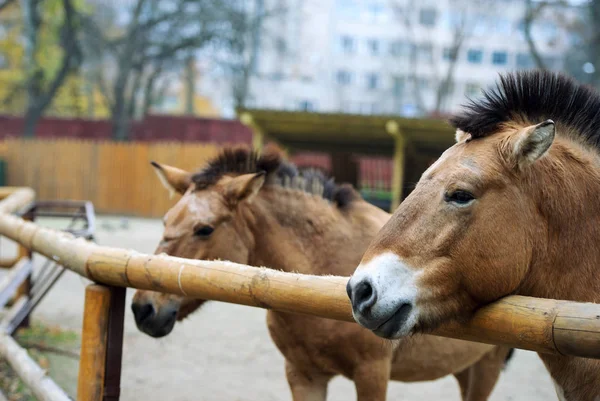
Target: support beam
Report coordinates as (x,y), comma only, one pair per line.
(101,344)
(398,167)
(94,337)
(258,135)
(344,168)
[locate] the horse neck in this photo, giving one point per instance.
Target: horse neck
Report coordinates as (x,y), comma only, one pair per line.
(296,231)
(566,257)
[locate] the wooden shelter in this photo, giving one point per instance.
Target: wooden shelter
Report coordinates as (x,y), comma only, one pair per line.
(413,143)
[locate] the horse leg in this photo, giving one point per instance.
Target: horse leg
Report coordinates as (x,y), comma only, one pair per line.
(477,382)
(371,380)
(463,378)
(306,386)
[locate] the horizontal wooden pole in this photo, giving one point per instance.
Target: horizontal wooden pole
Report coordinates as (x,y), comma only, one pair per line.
(14,198)
(43,387)
(541,325)
(11,282)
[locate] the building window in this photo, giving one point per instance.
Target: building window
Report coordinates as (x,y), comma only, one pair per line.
(472,89)
(475,56)
(448,54)
(398,85)
(499,58)
(373,45)
(306,105)
(372,81)
(425,53)
(427,17)
(344,77)
(347,44)
(349,9)
(377,12)
(276,76)
(502,26)
(399,48)
(524,60)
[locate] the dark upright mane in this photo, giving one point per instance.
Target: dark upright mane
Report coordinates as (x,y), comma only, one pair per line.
(241,160)
(531,97)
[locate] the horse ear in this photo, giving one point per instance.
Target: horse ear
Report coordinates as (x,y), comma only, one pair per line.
(533,142)
(172,178)
(244,187)
(461,135)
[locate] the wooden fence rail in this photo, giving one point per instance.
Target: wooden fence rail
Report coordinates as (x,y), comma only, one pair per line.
(540,325)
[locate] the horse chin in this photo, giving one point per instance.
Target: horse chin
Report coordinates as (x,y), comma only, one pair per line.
(401,324)
(157,331)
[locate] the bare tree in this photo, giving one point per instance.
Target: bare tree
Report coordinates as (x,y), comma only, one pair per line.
(5,3)
(158,38)
(238,50)
(462,27)
(40,88)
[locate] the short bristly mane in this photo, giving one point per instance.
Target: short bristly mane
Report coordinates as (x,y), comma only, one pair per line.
(531,97)
(241,160)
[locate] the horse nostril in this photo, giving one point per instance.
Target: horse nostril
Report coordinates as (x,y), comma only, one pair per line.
(364,296)
(142,312)
(349,290)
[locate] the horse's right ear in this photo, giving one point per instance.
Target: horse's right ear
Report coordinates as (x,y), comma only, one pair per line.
(172,178)
(461,135)
(531,143)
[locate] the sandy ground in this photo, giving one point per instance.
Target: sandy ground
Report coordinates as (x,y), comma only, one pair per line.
(224,352)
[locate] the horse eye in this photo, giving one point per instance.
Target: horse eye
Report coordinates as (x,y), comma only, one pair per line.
(459,197)
(204,231)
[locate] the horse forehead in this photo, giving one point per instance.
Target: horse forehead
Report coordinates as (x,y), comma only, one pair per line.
(191,208)
(461,159)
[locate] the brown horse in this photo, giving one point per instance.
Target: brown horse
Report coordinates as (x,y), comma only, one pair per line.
(262,211)
(512,208)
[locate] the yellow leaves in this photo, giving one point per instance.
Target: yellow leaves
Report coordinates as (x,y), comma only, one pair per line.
(73,99)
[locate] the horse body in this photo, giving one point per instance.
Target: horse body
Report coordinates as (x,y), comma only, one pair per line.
(511,208)
(282,224)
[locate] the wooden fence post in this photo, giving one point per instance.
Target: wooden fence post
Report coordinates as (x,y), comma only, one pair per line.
(101,344)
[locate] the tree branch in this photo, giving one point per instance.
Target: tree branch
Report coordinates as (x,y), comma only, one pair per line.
(5,3)
(71,53)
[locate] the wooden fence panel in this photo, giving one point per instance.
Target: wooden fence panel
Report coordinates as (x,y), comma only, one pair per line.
(116,177)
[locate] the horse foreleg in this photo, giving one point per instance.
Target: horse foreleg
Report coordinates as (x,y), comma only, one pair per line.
(306,386)
(371,380)
(478,381)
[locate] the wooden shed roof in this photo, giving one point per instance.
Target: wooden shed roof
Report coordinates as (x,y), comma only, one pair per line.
(348,132)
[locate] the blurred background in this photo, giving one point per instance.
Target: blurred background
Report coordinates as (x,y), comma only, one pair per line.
(91,90)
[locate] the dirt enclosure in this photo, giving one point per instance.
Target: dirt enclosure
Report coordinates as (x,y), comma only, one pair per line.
(224,352)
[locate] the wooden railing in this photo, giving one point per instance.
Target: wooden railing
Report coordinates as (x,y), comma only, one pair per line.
(541,325)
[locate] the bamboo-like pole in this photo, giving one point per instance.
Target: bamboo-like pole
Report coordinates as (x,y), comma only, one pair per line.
(92,364)
(541,325)
(12,281)
(34,377)
(14,198)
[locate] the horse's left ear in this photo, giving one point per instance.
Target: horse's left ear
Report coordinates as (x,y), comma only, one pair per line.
(244,187)
(172,178)
(533,142)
